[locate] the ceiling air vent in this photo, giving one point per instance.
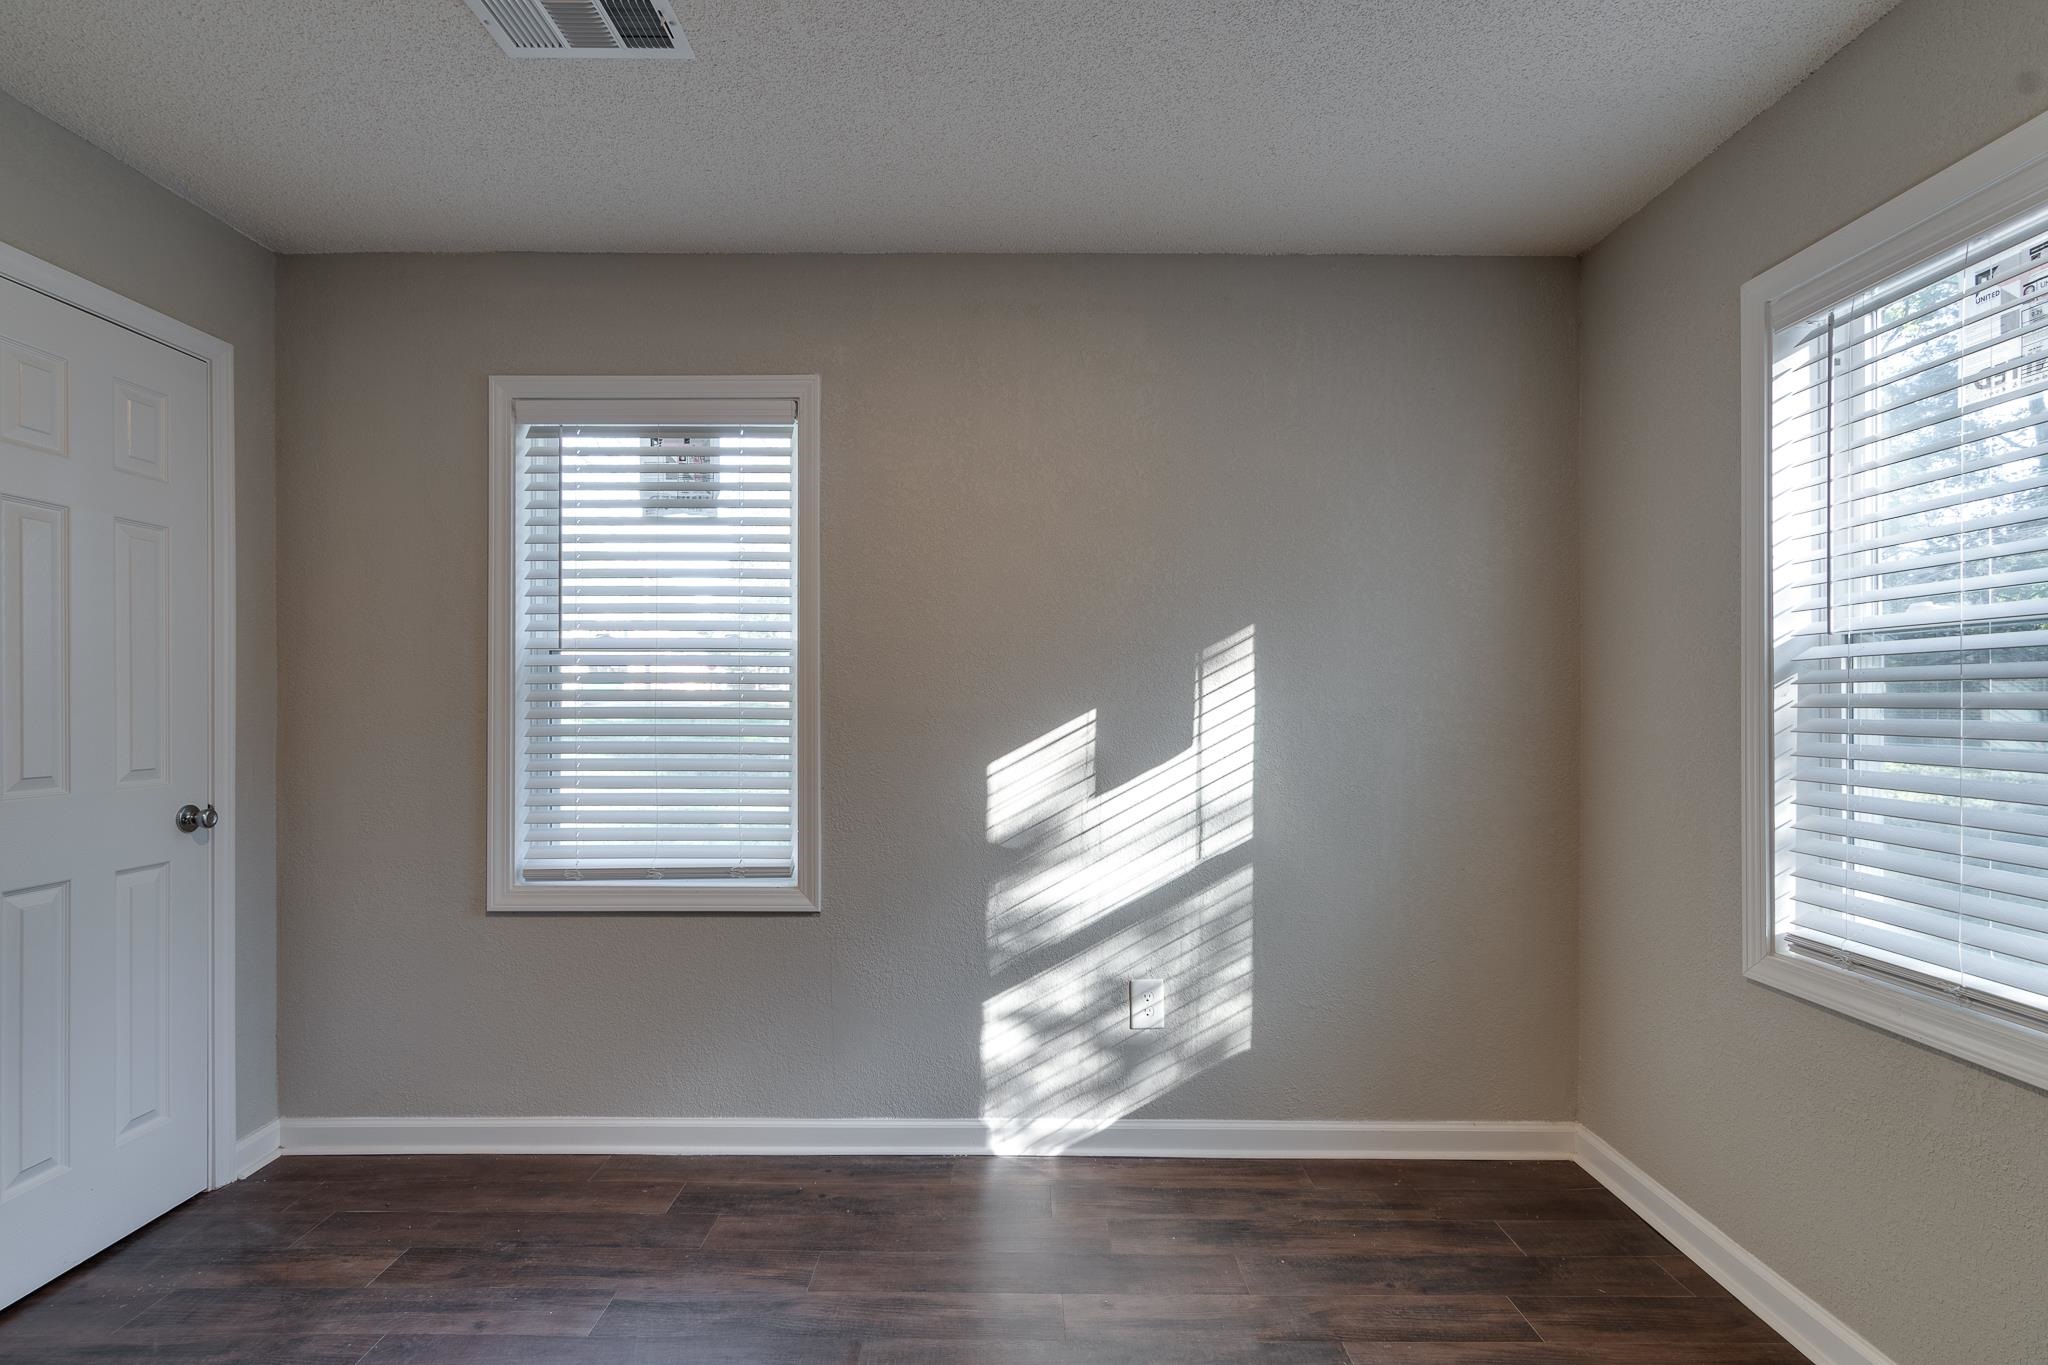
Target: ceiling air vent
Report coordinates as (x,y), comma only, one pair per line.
(583,28)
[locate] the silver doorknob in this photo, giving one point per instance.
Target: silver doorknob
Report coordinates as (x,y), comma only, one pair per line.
(191,818)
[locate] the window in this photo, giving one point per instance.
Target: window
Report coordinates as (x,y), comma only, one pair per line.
(1896,387)
(654,731)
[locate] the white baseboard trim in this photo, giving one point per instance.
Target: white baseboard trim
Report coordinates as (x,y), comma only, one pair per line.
(925,1137)
(1819,1334)
(258,1149)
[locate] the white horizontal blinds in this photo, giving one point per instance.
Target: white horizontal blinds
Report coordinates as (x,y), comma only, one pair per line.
(658,645)
(1909,509)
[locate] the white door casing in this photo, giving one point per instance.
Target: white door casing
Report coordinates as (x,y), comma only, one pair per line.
(110,988)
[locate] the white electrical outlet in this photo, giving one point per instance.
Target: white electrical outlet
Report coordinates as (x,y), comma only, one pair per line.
(1148,1002)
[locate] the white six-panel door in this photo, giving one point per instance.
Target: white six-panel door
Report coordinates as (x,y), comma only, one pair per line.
(105,703)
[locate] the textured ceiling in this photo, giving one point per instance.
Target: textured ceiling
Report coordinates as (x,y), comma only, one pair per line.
(1441,126)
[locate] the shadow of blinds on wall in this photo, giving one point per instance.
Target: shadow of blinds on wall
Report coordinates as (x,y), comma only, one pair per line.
(1909,563)
(656,659)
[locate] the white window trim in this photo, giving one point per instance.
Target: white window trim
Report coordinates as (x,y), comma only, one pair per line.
(1996,183)
(506,893)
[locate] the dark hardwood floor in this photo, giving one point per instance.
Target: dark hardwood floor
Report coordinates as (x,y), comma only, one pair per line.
(635,1260)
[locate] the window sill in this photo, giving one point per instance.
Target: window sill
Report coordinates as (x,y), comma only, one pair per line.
(2007,1046)
(652,900)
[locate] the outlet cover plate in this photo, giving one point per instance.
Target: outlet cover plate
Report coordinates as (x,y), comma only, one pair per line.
(1148,1002)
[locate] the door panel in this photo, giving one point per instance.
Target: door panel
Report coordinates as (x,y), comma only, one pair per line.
(105,730)
(142,673)
(35,645)
(35,1073)
(142,960)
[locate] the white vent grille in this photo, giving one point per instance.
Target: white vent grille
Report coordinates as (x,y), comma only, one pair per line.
(583,28)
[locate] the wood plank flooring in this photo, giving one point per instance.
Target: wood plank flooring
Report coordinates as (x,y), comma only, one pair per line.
(641,1260)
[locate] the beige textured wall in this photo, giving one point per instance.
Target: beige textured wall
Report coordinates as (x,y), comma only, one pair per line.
(1049,483)
(70,203)
(1904,1190)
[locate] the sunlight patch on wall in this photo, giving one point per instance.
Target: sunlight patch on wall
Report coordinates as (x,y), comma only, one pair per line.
(1086,855)
(1059,1057)
(1141,880)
